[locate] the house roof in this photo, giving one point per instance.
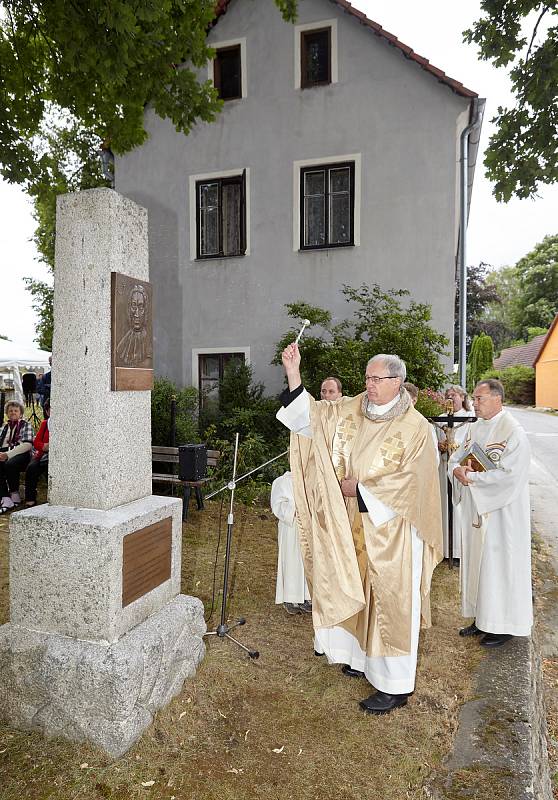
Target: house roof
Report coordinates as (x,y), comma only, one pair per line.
(546,338)
(222,7)
(526,354)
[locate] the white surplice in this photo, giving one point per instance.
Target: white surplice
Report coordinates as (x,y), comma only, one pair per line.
(291,584)
(495,529)
(459,434)
(391,674)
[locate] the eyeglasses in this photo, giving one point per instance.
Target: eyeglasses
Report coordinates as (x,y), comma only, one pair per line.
(375,379)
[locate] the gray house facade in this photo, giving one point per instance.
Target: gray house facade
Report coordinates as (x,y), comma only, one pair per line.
(335,160)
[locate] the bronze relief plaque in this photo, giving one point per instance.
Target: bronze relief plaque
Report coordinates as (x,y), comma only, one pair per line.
(131,333)
(146,560)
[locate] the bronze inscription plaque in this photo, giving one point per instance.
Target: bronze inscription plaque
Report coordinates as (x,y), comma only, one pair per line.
(146,560)
(131,333)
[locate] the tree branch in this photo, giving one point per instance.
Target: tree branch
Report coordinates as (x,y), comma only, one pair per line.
(541,15)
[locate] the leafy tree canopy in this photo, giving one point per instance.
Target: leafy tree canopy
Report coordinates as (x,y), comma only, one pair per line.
(481,294)
(380,323)
(537,274)
(99,64)
(523,153)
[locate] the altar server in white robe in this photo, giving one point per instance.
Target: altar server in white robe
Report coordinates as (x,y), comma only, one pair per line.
(495,523)
(291,588)
(461,408)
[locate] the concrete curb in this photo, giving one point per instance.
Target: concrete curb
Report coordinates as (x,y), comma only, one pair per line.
(500,749)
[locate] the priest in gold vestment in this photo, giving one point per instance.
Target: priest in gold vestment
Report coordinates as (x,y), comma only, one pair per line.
(368,510)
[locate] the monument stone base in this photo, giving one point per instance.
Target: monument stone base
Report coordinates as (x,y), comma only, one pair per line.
(73,571)
(105,694)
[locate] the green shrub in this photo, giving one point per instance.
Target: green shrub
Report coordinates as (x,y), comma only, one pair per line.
(518,382)
(186,413)
(380,322)
(244,409)
(480,359)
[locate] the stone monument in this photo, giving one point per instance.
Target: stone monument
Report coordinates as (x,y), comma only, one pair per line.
(99,636)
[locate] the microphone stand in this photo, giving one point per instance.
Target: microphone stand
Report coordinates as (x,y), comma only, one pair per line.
(223,631)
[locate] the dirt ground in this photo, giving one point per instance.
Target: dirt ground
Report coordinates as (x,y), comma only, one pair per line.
(285,726)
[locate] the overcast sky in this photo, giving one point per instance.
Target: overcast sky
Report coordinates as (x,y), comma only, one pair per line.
(498,234)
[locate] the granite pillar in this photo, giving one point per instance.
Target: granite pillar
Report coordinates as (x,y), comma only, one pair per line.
(99,637)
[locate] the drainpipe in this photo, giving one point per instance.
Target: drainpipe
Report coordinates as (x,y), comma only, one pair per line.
(464,162)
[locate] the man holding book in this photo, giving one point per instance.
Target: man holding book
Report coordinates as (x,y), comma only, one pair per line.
(490,473)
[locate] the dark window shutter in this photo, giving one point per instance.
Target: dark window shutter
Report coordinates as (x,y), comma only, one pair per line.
(243,213)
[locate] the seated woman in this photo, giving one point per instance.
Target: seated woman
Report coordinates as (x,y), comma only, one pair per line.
(39,460)
(16,443)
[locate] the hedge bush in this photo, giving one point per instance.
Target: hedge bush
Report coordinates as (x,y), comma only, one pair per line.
(186,413)
(518,382)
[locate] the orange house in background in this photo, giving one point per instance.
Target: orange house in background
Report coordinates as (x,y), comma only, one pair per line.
(546,369)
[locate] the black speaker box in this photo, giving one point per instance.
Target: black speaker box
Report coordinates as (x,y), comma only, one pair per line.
(192,462)
(29,383)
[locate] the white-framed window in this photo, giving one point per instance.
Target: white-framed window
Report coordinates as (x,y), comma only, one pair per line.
(228,70)
(208,366)
(315,54)
(327,202)
(220,214)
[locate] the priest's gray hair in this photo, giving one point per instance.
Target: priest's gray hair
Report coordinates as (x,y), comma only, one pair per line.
(394,365)
(495,387)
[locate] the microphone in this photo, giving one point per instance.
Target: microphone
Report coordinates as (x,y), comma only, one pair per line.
(305,324)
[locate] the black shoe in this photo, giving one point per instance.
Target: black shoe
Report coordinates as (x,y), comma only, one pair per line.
(318,654)
(292,608)
(306,606)
(383,703)
(352,673)
(470,630)
(495,639)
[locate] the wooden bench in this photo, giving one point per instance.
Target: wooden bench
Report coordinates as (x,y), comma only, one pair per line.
(169,455)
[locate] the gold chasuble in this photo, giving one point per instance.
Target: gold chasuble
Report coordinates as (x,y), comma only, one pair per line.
(359,574)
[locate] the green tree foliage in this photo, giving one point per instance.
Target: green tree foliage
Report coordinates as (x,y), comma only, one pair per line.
(523,35)
(518,382)
(100,64)
(480,358)
(186,413)
(537,273)
(506,283)
(482,294)
(380,323)
(76,76)
(528,293)
(244,409)
(70,163)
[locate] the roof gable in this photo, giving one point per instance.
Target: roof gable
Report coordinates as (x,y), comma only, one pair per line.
(546,338)
(457,87)
(526,354)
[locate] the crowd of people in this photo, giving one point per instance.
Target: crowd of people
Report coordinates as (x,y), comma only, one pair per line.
(23,451)
(362,515)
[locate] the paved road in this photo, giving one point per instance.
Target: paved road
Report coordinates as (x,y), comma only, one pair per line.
(542,430)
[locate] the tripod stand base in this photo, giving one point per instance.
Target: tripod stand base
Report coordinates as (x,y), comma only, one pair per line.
(223,632)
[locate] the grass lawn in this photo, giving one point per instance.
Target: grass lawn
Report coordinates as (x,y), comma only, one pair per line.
(285,726)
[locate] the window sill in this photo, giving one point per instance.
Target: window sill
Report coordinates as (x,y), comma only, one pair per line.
(316,85)
(219,257)
(324,247)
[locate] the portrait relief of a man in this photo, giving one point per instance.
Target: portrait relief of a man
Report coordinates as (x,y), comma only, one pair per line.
(132,333)
(134,348)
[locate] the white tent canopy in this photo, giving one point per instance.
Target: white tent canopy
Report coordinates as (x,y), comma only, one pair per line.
(15,357)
